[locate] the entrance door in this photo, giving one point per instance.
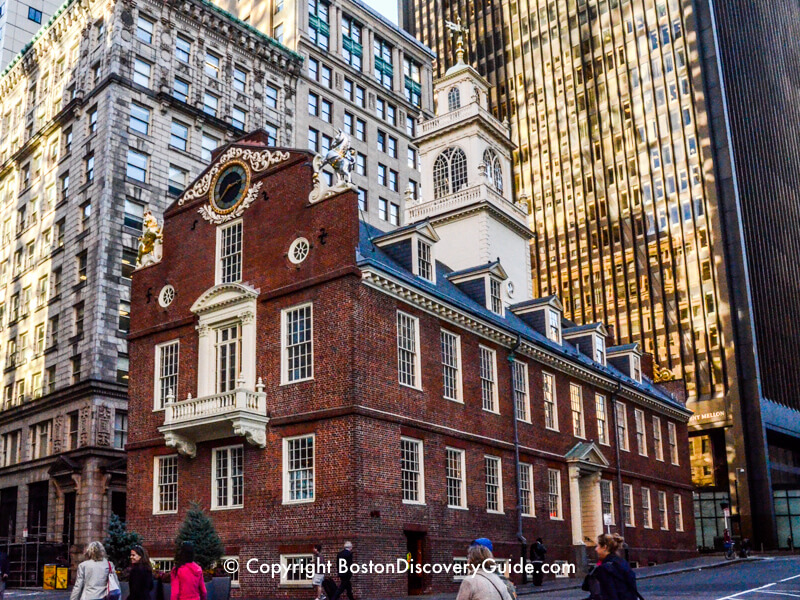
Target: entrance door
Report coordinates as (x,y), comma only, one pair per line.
(8,514)
(37,509)
(415,546)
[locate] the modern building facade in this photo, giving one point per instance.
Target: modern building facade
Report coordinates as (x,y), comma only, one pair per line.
(361,74)
(19,22)
(308,378)
(623,154)
(112,109)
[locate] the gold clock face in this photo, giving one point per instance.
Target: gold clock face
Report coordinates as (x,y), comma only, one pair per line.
(229,187)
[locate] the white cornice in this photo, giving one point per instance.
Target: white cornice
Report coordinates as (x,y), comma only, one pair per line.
(400,290)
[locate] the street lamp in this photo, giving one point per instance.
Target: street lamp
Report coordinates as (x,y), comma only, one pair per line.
(736,489)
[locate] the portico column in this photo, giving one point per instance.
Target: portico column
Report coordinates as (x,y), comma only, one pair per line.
(205,361)
(575,504)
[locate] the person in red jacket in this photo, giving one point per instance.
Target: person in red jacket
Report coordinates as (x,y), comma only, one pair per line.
(186,581)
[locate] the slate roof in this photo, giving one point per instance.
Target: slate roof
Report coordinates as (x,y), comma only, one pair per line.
(622,348)
(535,302)
(478,269)
(580,328)
(368,254)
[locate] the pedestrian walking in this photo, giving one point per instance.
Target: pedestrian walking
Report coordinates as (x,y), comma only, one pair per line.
(140,580)
(612,577)
(5,568)
(319,571)
(186,579)
(538,556)
(343,562)
(482,582)
(96,578)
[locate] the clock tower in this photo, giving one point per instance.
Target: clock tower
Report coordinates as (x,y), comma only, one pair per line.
(467,182)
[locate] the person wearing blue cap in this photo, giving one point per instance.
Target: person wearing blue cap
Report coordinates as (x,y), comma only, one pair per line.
(486,542)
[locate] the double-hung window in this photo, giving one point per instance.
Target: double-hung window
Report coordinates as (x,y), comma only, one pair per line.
(602,418)
(673,442)
(647,513)
(229,253)
(298,469)
(144,29)
(166,376)
(424,260)
(179,136)
(228,356)
(522,405)
(526,490)
(165,483)
(607,498)
(658,444)
(622,425)
(228,470)
(451,366)
(627,505)
(663,520)
(488,377)
(412,472)
(211,65)
(554,494)
(550,407)
(456,479)
(678,508)
(298,344)
(183,49)
(139,120)
(413,87)
(576,403)
(641,435)
(494,484)
(408,366)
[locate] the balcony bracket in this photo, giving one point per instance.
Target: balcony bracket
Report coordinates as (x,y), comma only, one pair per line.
(182,444)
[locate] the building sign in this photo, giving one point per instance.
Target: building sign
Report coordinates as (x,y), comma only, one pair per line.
(717,414)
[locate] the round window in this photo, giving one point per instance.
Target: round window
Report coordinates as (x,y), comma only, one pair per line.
(166,296)
(299,250)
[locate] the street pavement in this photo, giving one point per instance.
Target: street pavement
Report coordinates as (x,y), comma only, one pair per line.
(701,578)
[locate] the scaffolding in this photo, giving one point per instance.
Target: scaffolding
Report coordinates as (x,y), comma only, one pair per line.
(27,558)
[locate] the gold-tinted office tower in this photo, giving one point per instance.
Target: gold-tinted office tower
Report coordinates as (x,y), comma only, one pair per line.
(607,107)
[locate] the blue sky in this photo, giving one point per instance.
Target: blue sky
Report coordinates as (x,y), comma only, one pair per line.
(388,8)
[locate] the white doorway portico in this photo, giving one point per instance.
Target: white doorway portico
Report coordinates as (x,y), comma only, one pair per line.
(585,464)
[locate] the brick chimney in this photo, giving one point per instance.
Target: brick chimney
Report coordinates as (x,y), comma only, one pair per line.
(676,387)
(647,365)
(611,338)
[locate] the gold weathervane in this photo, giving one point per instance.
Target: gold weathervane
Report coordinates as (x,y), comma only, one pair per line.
(457,28)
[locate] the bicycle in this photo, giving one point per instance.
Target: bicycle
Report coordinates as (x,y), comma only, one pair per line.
(730,550)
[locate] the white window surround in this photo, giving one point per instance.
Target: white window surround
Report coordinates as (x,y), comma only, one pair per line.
(599,349)
(488,291)
(498,462)
(285,573)
(549,377)
(521,390)
(527,468)
(284,352)
(157,372)
(420,449)
(416,240)
(218,256)
(493,365)
(223,304)
(462,460)
(554,325)
(621,424)
(214,505)
(156,476)
(417,384)
(234,576)
(285,469)
(457,347)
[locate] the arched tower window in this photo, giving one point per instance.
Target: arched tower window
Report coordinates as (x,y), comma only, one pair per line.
(453,99)
(494,172)
(449,172)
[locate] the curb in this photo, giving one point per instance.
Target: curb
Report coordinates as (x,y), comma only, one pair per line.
(644,576)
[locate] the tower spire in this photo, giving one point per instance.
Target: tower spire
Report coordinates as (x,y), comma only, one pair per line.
(459,30)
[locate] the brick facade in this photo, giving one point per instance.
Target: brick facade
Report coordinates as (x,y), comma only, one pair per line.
(358,412)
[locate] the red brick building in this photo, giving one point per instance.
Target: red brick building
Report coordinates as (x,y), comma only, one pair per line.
(307,378)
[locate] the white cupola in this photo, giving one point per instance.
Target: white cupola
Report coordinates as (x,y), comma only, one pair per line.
(467,181)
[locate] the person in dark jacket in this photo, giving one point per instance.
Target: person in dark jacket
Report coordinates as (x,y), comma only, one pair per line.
(140,580)
(343,561)
(612,578)
(5,568)
(538,555)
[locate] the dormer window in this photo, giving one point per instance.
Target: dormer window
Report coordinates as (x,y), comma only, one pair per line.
(493,169)
(453,99)
(554,326)
(424,260)
(449,172)
(495,299)
(636,369)
(600,349)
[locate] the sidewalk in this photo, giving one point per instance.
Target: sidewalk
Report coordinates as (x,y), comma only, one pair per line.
(550,585)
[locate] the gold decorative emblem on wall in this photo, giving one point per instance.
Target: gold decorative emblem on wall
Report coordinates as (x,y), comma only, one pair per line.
(662,374)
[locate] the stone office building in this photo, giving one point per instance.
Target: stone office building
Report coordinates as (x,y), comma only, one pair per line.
(363,74)
(112,108)
(309,378)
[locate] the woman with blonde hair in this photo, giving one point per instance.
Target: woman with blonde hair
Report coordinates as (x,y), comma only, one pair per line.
(612,578)
(480,581)
(96,578)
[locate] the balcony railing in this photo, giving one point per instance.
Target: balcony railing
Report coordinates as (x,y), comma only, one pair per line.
(464,198)
(461,114)
(238,412)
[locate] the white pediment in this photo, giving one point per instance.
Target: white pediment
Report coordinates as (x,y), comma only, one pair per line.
(223,296)
(587,454)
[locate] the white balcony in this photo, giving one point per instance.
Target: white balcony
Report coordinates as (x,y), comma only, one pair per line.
(417,211)
(240,412)
(460,116)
